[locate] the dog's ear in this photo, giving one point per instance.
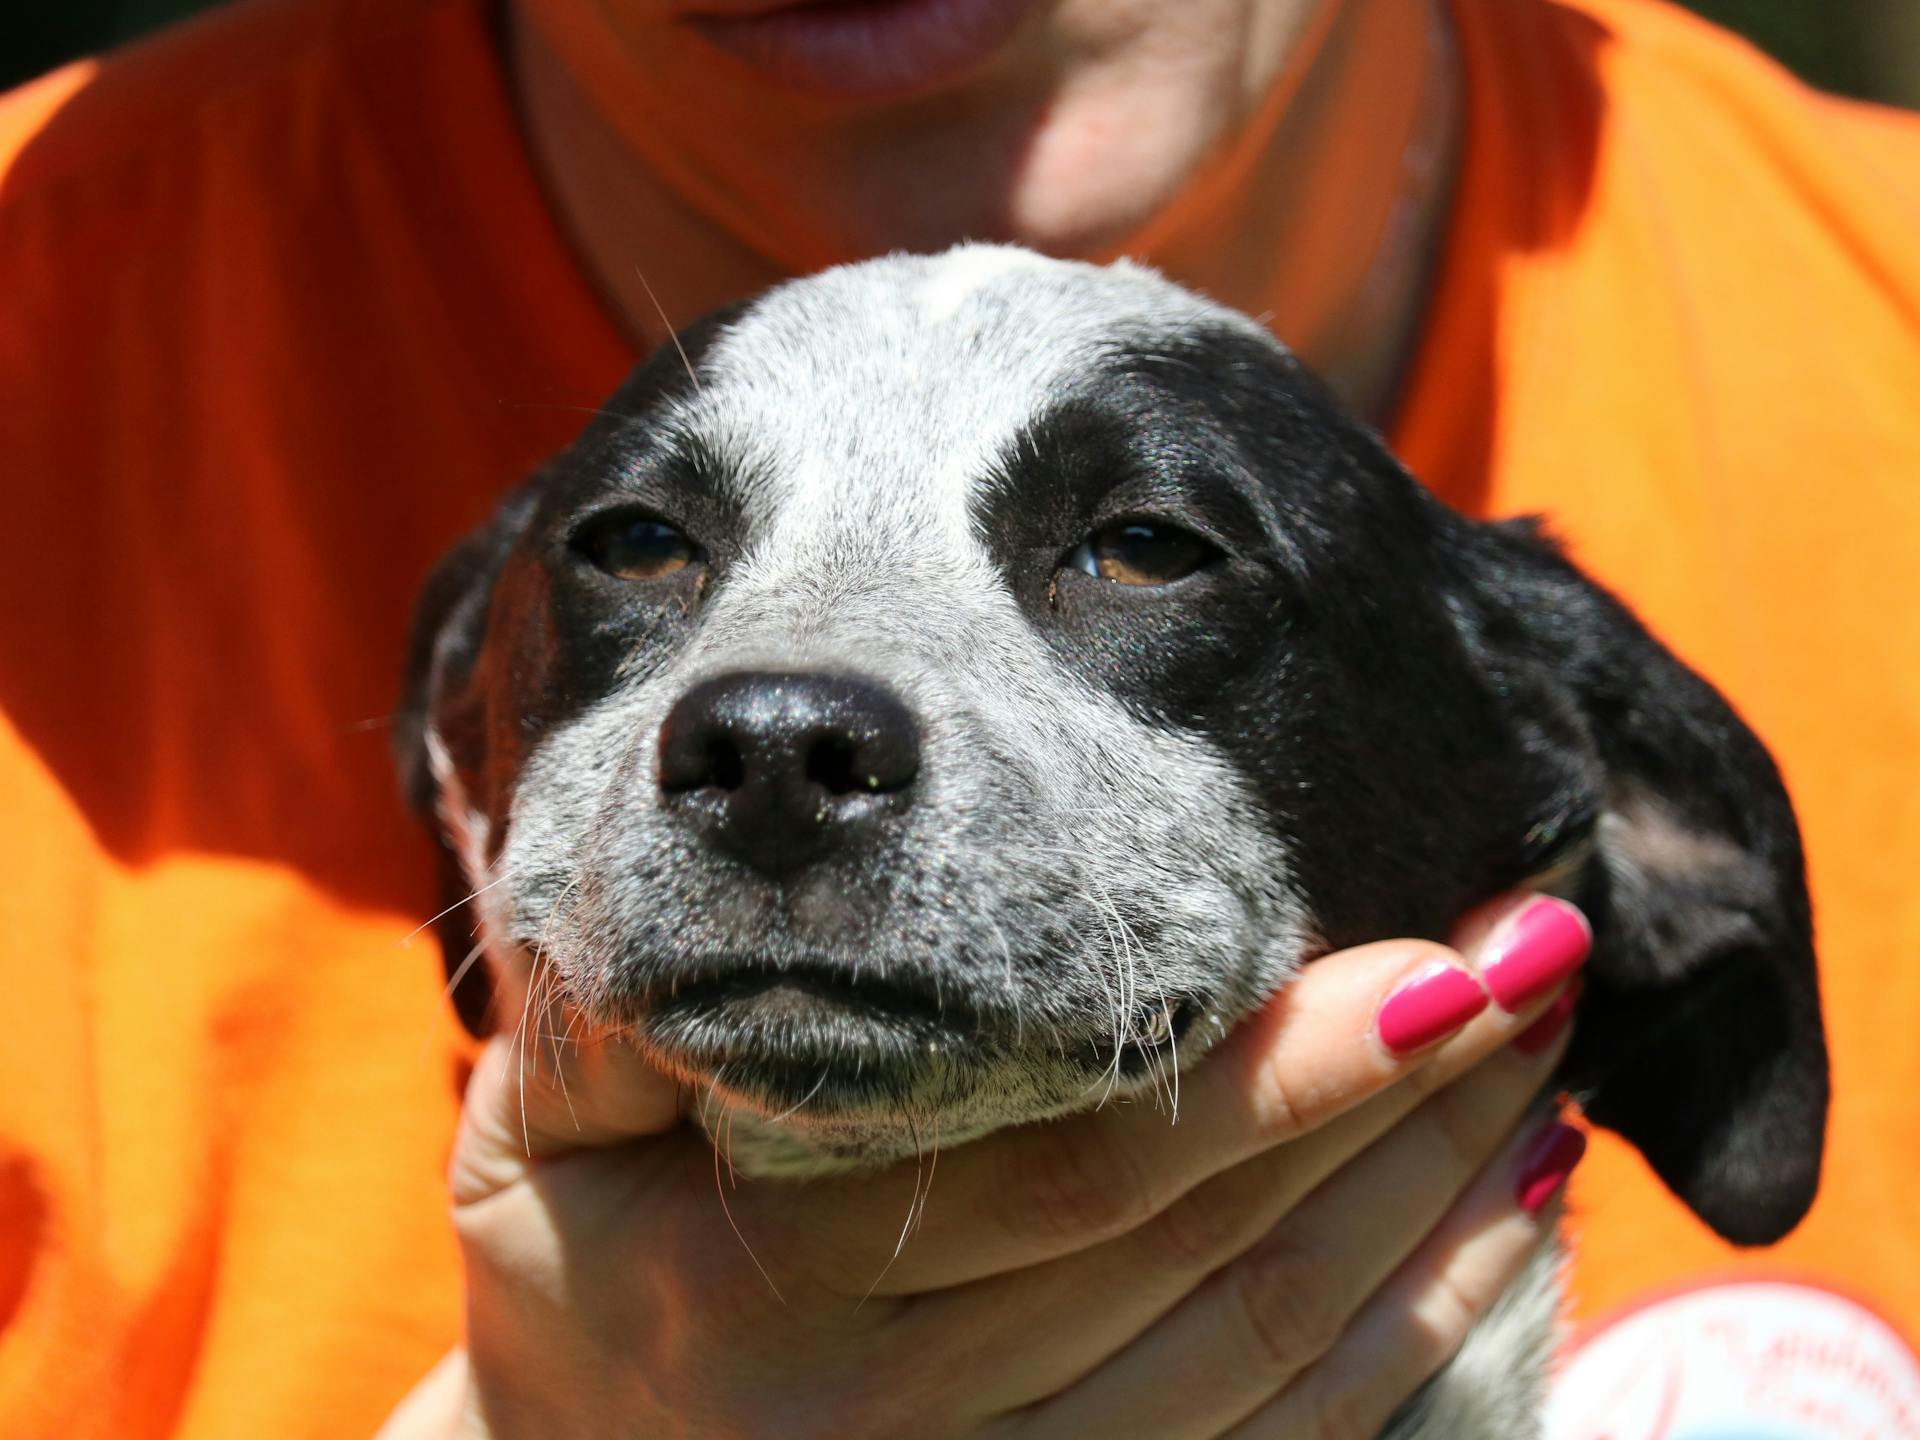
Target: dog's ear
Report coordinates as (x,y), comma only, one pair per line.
(439,722)
(1699,1036)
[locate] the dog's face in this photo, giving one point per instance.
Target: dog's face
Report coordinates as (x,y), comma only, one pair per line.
(962,687)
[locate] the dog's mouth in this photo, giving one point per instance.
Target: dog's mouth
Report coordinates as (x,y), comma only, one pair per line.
(829,1037)
(758,997)
(841,1036)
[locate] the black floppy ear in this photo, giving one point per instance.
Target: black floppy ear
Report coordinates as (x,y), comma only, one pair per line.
(1699,1036)
(438,722)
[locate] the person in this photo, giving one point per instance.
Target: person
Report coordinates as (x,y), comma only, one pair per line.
(292,294)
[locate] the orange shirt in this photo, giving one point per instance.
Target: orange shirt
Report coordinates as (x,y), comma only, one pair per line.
(281,309)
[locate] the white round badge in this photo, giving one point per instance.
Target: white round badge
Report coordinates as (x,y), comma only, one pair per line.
(1749,1360)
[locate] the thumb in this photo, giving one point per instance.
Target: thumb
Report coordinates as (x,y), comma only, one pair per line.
(528,1103)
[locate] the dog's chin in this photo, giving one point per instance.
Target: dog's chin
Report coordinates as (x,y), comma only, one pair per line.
(798,1041)
(809,1071)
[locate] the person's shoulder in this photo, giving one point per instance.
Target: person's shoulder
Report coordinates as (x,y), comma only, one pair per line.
(1661,63)
(235,68)
(1732,181)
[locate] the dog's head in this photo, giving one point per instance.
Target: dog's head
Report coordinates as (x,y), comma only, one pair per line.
(962,686)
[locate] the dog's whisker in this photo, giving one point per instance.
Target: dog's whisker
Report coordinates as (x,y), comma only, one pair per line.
(913,1208)
(1169,1065)
(594,410)
(933,1165)
(1013,990)
(519,1049)
(1122,1005)
(1166,1080)
(559,916)
(1174,1049)
(557,1044)
(713,1091)
(919,1161)
(463,900)
(801,1103)
(726,1209)
(576,1016)
(1115,1000)
(453,983)
(1149,1045)
(460,970)
(667,325)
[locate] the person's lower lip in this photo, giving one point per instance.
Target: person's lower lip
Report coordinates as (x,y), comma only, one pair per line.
(866,48)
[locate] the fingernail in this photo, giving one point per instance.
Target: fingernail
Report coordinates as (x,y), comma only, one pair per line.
(1429,1007)
(1547,1163)
(1534,951)
(1540,1035)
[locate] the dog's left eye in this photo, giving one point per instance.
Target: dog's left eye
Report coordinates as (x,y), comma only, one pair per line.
(1140,552)
(636,547)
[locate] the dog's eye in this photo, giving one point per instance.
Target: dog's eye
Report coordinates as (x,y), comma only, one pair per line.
(1140,552)
(636,547)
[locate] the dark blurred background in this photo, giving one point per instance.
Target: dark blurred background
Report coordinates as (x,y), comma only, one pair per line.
(1867,48)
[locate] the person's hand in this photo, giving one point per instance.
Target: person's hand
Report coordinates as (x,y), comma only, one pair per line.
(1347,1189)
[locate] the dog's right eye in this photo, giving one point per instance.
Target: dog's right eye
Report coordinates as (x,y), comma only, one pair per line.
(632,546)
(1140,552)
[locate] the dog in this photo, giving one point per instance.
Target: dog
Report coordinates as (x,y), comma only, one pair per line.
(967,685)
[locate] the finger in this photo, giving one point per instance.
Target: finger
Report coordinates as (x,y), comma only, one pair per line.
(528,1102)
(1496,1241)
(1039,1192)
(1254,1323)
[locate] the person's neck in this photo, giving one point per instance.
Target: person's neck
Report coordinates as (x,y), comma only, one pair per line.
(1327,219)
(1322,218)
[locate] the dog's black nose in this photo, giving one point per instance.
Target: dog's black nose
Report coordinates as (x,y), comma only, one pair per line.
(779,769)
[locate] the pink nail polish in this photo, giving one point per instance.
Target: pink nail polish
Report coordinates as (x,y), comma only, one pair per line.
(1534,951)
(1548,1161)
(1429,1007)
(1540,1035)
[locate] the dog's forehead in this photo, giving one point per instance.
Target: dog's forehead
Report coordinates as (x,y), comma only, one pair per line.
(913,374)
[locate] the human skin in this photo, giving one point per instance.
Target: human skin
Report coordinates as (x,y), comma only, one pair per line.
(1326,1221)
